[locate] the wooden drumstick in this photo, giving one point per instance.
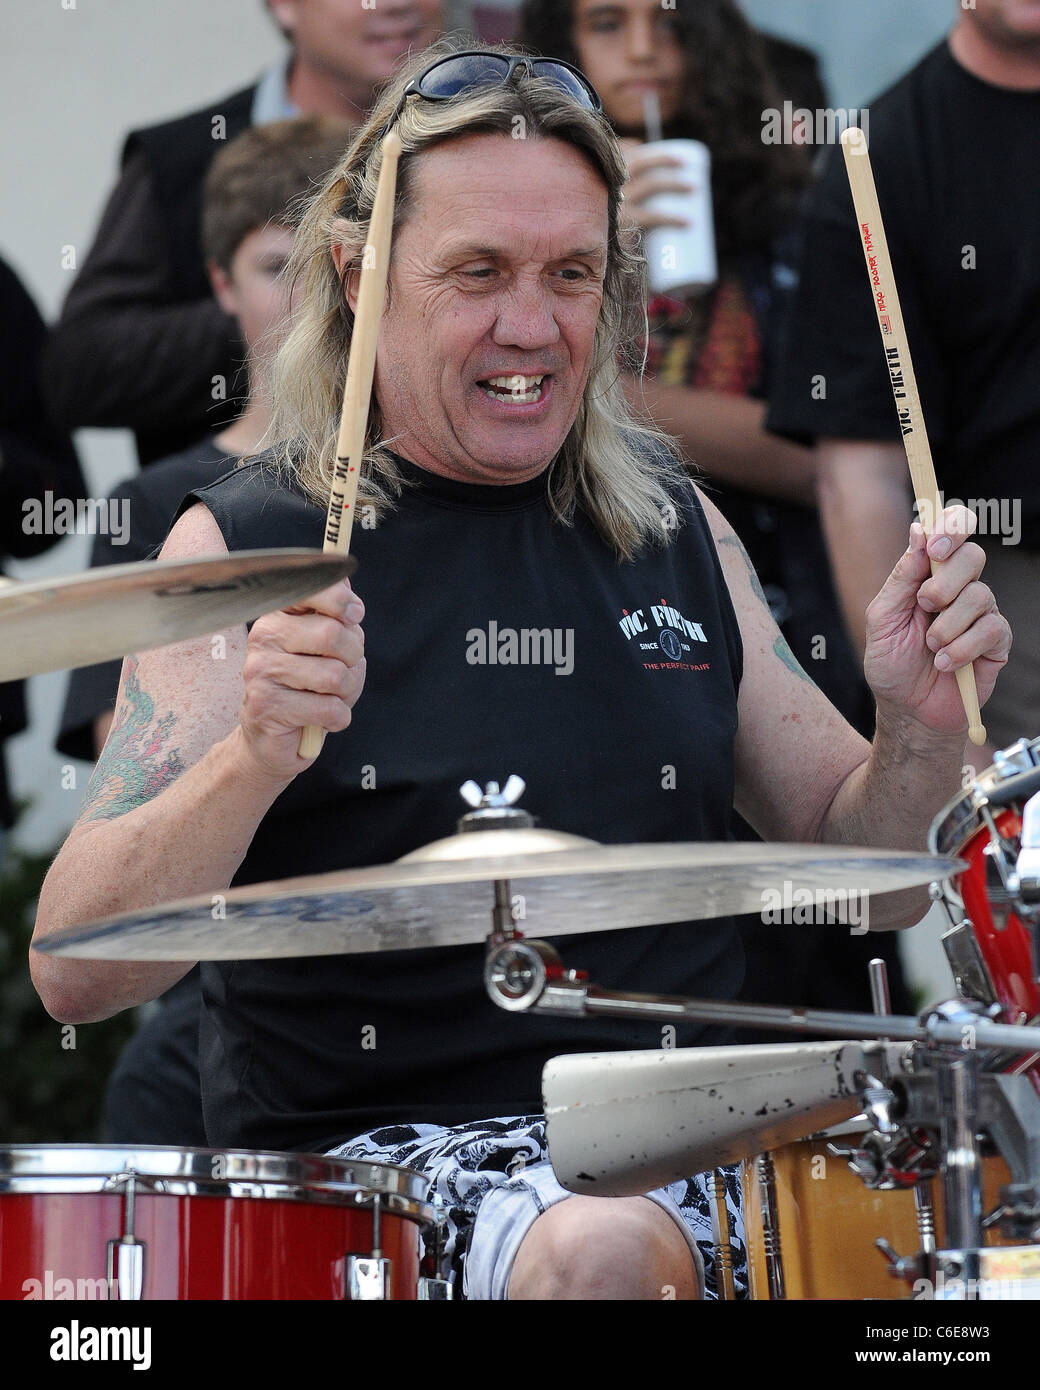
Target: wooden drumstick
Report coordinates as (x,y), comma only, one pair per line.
(357,391)
(900,367)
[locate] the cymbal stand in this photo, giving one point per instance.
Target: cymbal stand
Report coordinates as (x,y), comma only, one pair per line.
(955,1042)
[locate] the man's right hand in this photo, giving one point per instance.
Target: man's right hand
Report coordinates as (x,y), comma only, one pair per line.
(304,665)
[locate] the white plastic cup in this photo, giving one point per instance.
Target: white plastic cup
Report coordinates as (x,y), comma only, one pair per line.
(682,260)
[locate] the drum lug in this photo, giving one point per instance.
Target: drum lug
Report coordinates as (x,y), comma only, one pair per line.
(368,1276)
(368,1279)
(126,1255)
(1000,890)
(765,1180)
(1000,857)
(966,962)
(721,1237)
(434,1290)
(126,1269)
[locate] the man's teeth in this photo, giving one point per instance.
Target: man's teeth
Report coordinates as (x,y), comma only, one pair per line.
(520,390)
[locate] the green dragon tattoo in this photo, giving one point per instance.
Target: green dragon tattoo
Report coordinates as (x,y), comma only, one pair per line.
(136,762)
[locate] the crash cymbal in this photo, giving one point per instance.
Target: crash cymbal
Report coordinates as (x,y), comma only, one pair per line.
(623,1123)
(81,619)
(443,901)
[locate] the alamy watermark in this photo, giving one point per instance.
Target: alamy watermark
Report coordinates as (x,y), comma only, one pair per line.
(56,1287)
(797,125)
(81,1342)
(525,646)
(67,516)
(947,1289)
(817,906)
(997,516)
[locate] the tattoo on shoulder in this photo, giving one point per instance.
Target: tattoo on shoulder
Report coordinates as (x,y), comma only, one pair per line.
(138,761)
(756,585)
(780,646)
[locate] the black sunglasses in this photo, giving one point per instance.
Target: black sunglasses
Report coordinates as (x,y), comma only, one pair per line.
(460,72)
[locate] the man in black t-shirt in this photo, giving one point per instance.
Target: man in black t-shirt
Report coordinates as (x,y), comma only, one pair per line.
(953,147)
(519,492)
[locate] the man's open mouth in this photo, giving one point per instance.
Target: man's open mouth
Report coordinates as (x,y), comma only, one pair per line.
(514,390)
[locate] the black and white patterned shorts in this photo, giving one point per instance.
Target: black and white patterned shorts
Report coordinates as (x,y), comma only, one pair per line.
(500,1168)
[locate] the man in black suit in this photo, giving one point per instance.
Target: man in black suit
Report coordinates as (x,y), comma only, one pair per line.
(35,458)
(141,343)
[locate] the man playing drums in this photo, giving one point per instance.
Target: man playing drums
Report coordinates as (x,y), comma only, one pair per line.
(507,491)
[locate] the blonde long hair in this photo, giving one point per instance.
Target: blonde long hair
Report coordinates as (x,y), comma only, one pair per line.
(622,473)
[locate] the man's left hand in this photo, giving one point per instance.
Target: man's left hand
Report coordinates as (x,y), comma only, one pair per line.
(922,628)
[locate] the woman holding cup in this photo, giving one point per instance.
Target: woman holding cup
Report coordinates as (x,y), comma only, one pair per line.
(713,202)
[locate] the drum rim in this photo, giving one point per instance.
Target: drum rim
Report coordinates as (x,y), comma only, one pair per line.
(188,1172)
(959,820)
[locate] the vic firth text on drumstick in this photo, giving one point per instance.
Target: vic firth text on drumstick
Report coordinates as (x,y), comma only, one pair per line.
(900,369)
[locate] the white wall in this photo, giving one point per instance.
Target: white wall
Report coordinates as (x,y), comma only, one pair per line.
(864,48)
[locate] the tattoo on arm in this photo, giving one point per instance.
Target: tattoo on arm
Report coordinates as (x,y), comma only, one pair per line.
(780,646)
(787,656)
(137,762)
(756,585)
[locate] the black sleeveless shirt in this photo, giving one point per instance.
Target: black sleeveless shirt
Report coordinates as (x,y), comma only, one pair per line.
(622,726)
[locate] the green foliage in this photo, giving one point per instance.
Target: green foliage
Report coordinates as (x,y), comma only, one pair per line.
(53,1077)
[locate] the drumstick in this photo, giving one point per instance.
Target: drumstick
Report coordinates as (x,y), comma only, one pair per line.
(900,367)
(357,391)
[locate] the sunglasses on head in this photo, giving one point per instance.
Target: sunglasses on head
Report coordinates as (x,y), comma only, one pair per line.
(460,72)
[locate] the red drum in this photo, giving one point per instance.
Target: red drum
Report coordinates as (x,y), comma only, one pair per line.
(983,826)
(156,1223)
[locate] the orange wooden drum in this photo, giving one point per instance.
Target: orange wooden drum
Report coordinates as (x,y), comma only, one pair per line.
(815,1223)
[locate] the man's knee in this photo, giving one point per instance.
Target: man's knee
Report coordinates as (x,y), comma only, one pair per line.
(602,1247)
